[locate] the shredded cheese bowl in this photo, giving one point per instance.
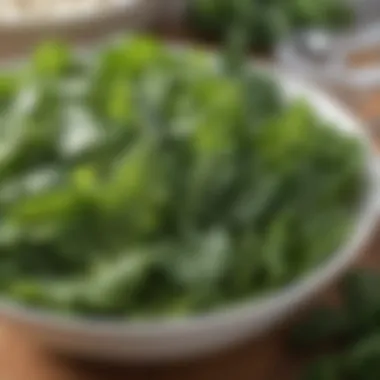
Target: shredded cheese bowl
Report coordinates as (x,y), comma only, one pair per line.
(41,14)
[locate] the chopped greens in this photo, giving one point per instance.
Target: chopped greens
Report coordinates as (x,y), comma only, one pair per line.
(267,20)
(143,181)
(354,327)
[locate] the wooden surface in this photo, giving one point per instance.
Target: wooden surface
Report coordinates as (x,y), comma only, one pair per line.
(21,358)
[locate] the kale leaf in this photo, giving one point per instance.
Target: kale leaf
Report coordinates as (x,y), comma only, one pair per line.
(144,181)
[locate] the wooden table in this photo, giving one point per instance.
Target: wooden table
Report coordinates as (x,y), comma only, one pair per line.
(21,358)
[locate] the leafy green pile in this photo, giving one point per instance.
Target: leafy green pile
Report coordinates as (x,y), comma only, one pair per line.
(354,327)
(268,20)
(142,181)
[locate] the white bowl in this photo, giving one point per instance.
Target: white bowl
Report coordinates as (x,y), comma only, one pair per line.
(20,36)
(28,20)
(196,336)
(322,55)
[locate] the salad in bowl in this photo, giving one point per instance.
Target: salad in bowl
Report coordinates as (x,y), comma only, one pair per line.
(157,203)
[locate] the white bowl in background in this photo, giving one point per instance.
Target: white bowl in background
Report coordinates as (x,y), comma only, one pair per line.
(167,340)
(323,56)
(19,36)
(65,17)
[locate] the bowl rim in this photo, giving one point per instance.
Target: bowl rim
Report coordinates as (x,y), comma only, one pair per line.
(294,292)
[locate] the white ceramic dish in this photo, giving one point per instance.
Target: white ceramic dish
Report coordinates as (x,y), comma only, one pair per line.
(67,17)
(323,56)
(192,337)
(20,36)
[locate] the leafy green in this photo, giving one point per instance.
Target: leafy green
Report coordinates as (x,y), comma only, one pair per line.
(143,181)
(353,326)
(267,20)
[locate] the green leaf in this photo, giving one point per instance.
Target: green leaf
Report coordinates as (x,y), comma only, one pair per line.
(321,327)
(203,264)
(328,368)
(264,22)
(193,188)
(361,301)
(52,59)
